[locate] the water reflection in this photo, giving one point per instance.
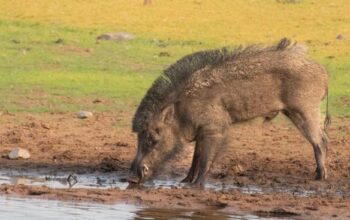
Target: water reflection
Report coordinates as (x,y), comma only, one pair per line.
(36,209)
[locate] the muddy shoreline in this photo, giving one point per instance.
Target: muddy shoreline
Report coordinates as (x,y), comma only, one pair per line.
(269,157)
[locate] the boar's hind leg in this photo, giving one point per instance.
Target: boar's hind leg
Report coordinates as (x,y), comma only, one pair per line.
(308,122)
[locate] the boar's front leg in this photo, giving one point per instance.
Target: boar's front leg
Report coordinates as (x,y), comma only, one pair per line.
(194,167)
(208,142)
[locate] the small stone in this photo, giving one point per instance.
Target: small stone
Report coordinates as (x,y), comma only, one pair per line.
(119,36)
(45,126)
(84,114)
(15,41)
(341,37)
(237,169)
(164,54)
(97,101)
(59,41)
(18,152)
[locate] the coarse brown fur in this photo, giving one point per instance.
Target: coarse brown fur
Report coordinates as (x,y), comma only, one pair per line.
(177,74)
(201,95)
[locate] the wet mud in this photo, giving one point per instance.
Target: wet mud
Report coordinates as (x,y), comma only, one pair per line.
(267,170)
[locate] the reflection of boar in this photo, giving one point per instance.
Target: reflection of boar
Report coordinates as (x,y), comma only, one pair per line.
(200,96)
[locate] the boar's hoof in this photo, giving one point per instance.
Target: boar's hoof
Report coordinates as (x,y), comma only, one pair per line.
(188,179)
(321,175)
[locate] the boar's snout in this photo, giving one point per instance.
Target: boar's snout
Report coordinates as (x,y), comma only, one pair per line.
(138,173)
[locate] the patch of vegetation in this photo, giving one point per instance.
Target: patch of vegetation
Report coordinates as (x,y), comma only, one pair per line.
(339,89)
(51,61)
(45,68)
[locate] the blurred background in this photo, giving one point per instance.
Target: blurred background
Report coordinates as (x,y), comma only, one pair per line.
(67,55)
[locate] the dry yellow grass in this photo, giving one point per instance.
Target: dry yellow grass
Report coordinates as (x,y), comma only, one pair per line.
(317,22)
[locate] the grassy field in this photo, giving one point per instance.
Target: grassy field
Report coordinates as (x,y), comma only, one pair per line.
(51,62)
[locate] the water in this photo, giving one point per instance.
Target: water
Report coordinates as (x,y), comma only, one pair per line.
(36,209)
(20,208)
(64,180)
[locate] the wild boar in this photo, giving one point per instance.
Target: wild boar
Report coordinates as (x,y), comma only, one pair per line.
(201,95)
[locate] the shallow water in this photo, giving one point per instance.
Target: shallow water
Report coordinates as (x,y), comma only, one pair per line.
(62,180)
(54,179)
(36,209)
(18,208)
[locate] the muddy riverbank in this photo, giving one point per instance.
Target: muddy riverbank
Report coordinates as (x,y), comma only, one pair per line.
(267,170)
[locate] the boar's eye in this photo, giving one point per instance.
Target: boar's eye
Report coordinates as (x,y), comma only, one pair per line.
(147,141)
(151,141)
(157,130)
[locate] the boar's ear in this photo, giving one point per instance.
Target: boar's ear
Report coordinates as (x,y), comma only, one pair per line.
(167,114)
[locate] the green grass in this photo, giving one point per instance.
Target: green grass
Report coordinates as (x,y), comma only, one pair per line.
(339,89)
(39,75)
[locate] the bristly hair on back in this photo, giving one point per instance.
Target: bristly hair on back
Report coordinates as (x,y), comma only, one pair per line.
(178,73)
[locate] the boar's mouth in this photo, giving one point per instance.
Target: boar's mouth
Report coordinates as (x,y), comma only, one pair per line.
(141,173)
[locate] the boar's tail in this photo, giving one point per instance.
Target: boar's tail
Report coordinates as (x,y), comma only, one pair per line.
(328,119)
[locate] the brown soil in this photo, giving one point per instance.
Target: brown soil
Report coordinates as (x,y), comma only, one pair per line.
(271,156)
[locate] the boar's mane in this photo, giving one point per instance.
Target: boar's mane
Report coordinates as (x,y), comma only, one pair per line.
(178,73)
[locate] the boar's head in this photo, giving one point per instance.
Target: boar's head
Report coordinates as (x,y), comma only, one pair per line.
(157,143)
